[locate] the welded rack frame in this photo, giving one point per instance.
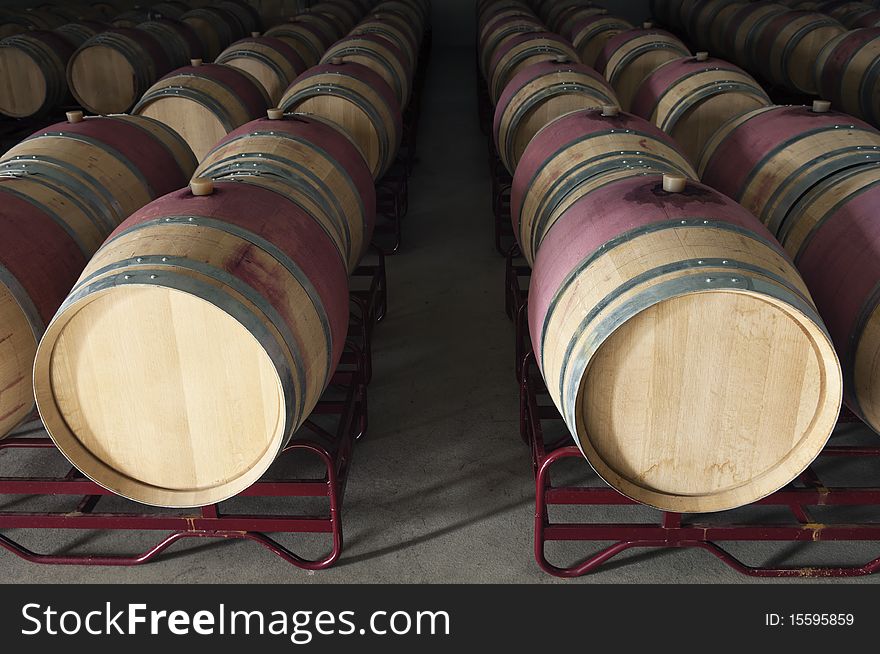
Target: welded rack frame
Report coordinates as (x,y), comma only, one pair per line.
(392,190)
(345,402)
(668,529)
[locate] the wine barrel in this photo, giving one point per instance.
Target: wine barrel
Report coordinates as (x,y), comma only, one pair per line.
(629,57)
(317,167)
(80,32)
(590,35)
(179,40)
(357,100)
(323,22)
(835,244)
(341,15)
(681,346)
(204,102)
(245,14)
(700,22)
(171,9)
(304,37)
(521,51)
(499,31)
(216,28)
(847,73)
(236,302)
(131,19)
(566,20)
(718,28)
(63,191)
(822,210)
(112,70)
(398,21)
(380,56)
(39,262)
(768,158)
(850,14)
(691,98)
(539,94)
(32,66)
(272,62)
(382,27)
(414,13)
(577,152)
(744,29)
(106,9)
(789,46)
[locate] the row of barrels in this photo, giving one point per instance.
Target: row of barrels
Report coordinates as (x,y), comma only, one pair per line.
(108,67)
(810,175)
(830,49)
(675,335)
(202,332)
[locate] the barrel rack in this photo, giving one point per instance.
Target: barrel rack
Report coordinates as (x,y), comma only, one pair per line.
(392,191)
(538,418)
(328,437)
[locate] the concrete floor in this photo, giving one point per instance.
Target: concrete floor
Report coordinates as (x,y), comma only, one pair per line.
(441,489)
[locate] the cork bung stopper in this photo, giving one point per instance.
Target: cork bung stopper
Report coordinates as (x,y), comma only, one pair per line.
(610,110)
(75,116)
(674,183)
(201,186)
(702,56)
(275,114)
(821,106)
(195,62)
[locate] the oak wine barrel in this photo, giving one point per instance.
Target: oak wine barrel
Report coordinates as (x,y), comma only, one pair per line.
(629,57)
(131,19)
(577,152)
(316,166)
(380,56)
(216,28)
(681,346)
(692,97)
(358,101)
(304,37)
(111,71)
(718,28)
(853,15)
(820,209)
(789,46)
(848,73)
(271,61)
(836,246)
(701,19)
(80,32)
(539,94)
(32,73)
(521,51)
(590,35)
(179,40)
(169,9)
(500,30)
(245,14)
(63,191)
(379,25)
(744,29)
(204,102)
(566,20)
(236,302)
